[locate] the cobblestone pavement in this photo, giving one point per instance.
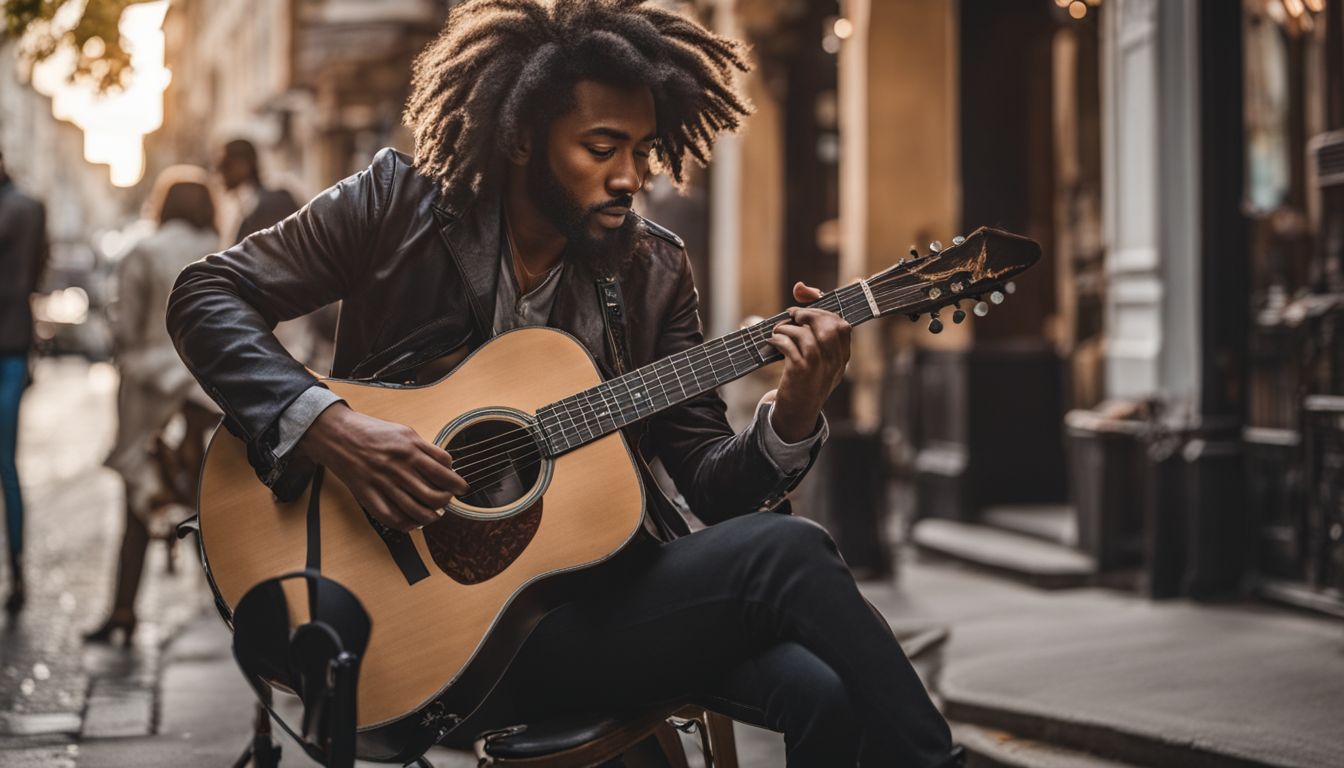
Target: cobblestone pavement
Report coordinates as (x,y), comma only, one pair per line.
(55,691)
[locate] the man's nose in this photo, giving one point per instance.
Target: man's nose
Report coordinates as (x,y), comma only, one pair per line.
(625,178)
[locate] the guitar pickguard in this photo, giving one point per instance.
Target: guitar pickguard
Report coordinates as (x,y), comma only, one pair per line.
(471,551)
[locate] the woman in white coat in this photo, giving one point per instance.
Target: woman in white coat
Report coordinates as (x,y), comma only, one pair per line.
(155,385)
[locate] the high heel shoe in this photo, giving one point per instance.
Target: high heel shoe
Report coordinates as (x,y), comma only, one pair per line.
(119,626)
(16,600)
(18,595)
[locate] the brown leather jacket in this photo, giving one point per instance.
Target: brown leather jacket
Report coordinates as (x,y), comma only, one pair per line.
(416,283)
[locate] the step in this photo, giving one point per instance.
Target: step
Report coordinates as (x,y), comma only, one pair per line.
(1056,523)
(990,748)
(1062,737)
(1039,563)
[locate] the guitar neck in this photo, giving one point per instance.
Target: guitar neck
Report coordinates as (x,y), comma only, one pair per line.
(643,392)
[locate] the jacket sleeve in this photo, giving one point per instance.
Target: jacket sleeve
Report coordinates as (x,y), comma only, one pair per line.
(721,474)
(223,308)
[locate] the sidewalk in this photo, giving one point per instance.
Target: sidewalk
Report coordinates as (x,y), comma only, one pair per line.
(1176,683)
(54,691)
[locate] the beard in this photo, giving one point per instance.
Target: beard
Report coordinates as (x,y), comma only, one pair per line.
(605,253)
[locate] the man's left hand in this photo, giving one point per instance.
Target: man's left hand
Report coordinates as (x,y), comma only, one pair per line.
(815,346)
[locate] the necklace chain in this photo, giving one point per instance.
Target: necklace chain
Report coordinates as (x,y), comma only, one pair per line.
(518,260)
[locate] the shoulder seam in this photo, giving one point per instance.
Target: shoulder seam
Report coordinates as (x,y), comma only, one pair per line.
(662,233)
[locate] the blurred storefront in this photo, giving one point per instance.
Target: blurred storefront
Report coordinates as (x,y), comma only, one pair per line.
(1161,395)
(317,85)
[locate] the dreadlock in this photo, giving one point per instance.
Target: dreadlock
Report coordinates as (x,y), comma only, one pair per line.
(502,67)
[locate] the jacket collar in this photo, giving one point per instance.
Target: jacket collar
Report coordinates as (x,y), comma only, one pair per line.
(473,242)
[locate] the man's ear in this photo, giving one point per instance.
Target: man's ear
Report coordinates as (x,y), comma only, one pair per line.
(520,148)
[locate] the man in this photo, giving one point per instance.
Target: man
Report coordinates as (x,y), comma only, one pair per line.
(255,206)
(535,126)
(23,253)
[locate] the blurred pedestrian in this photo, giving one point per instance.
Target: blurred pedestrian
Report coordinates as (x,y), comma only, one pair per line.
(155,386)
(253,207)
(23,254)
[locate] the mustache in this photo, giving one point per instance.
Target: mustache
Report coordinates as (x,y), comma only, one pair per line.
(624,201)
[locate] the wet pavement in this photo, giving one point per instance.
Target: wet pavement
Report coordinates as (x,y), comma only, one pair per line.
(55,690)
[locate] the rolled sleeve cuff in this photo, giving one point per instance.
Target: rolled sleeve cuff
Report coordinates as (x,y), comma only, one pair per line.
(300,415)
(788,458)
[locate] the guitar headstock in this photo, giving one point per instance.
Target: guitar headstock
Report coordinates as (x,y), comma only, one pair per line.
(973,269)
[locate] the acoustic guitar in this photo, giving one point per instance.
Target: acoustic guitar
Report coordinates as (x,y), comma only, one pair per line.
(554,491)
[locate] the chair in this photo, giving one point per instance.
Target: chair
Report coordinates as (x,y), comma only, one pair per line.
(646,740)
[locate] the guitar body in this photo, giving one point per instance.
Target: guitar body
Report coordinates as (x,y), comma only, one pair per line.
(443,630)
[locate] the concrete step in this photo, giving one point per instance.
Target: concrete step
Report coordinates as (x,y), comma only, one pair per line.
(989,748)
(1056,523)
(1005,737)
(1040,563)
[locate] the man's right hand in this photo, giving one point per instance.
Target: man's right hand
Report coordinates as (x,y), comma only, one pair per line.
(400,478)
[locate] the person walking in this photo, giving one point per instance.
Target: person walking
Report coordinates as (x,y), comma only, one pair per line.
(23,255)
(155,385)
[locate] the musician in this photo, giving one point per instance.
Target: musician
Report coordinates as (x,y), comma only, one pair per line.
(535,124)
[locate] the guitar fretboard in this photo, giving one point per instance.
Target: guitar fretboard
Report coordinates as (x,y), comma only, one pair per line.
(639,394)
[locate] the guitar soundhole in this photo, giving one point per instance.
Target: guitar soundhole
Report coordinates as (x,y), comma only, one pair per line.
(498,459)
(485,530)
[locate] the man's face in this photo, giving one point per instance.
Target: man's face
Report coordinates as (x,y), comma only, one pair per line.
(595,159)
(233,171)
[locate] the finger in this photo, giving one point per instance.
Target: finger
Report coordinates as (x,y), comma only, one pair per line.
(439,455)
(805,293)
(424,492)
(812,316)
(803,338)
(407,506)
(831,330)
(787,348)
(438,476)
(384,513)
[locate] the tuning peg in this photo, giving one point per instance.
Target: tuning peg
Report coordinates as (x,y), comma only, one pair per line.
(914,252)
(958,315)
(980,309)
(914,316)
(1010,287)
(996,297)
(935,246)
(958,240)
(935,325)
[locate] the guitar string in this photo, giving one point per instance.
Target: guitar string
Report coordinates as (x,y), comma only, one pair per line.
(500,455)
(587,408)
(501,465)
(503,453)
(757,333)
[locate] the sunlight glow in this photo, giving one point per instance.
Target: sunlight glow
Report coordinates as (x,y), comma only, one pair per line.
(115,123)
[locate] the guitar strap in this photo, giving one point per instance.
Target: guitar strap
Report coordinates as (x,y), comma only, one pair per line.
(613,317)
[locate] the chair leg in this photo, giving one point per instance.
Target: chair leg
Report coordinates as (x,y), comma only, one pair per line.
(670,742)
(722,744)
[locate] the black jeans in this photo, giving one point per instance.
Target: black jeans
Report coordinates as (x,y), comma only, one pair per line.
(757,617)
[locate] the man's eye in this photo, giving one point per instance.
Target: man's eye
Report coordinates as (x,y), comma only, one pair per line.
(602,153)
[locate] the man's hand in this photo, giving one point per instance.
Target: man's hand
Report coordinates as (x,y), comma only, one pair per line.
(402,480)
(815,348)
